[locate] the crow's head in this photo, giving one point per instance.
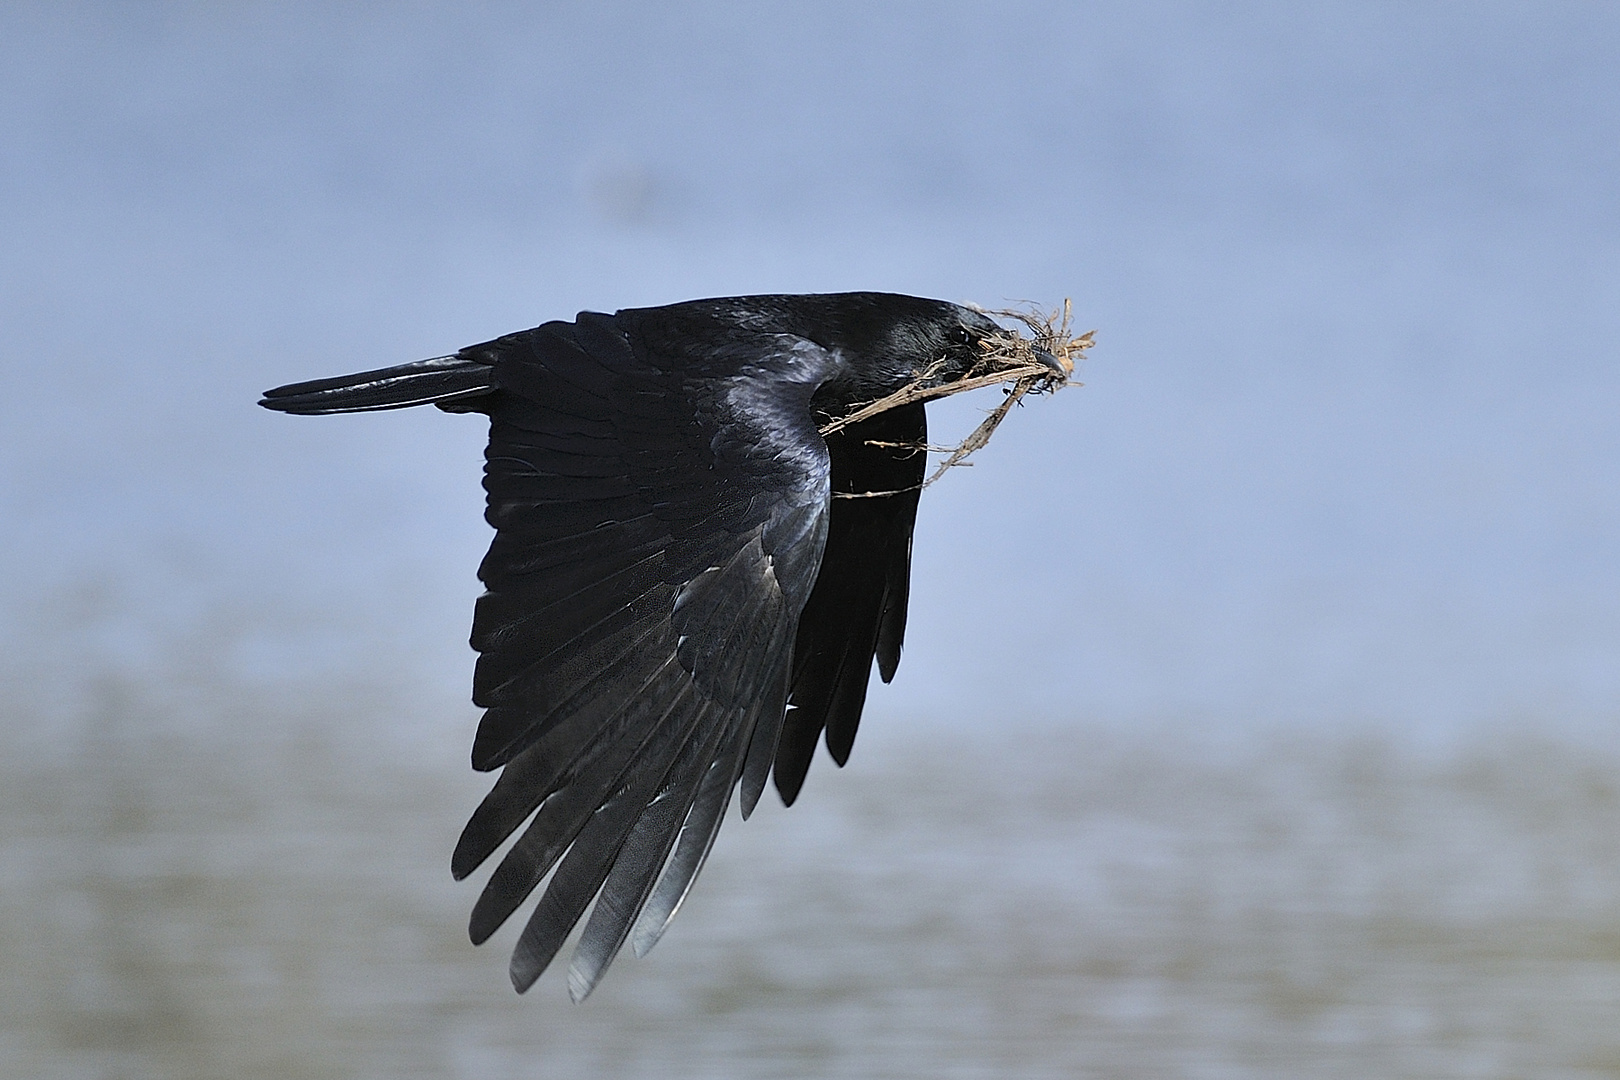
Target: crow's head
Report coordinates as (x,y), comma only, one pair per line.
(889,341)
(883,342)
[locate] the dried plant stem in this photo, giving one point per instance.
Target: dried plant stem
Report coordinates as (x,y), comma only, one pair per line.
(1012,360)
(913,391)
(979,437)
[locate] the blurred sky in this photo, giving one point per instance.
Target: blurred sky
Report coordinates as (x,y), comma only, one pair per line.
(1349,444)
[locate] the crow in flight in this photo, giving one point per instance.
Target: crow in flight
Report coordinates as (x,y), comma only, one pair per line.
(675,600)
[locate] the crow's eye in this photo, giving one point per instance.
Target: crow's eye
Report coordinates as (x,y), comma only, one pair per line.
(960,335)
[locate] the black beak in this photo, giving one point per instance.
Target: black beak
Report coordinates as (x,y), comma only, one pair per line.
(1053,362)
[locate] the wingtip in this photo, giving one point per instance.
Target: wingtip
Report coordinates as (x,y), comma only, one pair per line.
(580,985)
(749,798)
(475,844)
(481,926)
(524,969)
(787,786)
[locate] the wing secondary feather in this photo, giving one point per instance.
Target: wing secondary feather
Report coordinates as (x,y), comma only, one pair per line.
(857,611)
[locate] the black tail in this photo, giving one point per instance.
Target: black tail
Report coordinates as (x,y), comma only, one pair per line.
(440,381)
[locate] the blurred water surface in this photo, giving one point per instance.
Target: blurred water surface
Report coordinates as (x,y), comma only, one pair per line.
(261,891)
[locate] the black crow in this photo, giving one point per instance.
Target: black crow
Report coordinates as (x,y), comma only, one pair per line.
(676,599)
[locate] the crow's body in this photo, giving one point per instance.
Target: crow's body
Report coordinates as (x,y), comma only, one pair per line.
(670,572)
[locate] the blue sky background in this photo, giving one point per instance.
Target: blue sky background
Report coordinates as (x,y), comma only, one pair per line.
(1349,444)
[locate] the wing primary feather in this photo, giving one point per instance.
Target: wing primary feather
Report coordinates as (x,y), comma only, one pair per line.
(635,871)
(762,743)
(821,670)
(597,844)
(692,848)
(508,566)
(892,620)
(857,610)
(561,820)
(849,698)
(516,622)
(801,729)
(758,677)
(546,764)
(564,814)
(623,659)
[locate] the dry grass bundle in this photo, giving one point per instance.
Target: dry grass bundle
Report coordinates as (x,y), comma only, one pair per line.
(1014,359)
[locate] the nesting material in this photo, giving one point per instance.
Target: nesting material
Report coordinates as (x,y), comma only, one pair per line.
(1013,359)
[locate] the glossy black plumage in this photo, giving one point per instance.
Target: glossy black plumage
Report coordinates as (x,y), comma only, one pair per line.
(670,571)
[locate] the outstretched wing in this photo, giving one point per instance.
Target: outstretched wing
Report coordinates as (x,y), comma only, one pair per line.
(857,610)
(659,524)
